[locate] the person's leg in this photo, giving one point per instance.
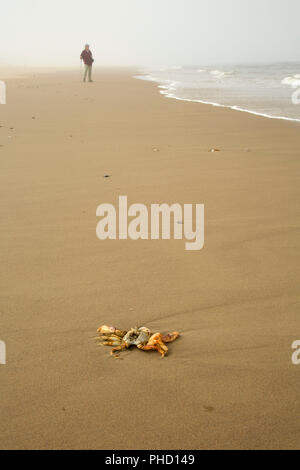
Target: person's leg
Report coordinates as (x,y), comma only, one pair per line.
(86,67)
(90,73)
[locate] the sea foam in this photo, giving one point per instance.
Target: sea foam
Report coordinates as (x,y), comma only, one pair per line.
(254,89)
(293,81)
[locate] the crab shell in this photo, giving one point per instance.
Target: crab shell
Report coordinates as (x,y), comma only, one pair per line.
(137,336)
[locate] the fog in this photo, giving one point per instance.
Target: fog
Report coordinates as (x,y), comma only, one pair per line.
(149,32)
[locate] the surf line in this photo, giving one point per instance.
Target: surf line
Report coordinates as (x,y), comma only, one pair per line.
(185,219)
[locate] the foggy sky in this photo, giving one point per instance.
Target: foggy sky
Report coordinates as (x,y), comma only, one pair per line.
(149,32)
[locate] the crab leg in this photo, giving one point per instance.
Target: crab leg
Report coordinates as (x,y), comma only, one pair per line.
(155,347)
(110,338)
(156,342)
(118,348)
(111,342)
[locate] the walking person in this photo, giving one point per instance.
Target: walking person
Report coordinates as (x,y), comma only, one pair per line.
(88,60)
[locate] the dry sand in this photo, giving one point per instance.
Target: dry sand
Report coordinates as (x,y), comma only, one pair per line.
(228,382)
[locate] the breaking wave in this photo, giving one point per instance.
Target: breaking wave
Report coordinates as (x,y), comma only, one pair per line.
(256,89)
(293,81)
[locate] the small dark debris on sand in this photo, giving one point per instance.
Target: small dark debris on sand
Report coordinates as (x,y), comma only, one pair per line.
(209,409)
(215,150)
(106,176)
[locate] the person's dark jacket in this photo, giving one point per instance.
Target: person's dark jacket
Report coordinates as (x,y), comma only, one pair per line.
(87,57)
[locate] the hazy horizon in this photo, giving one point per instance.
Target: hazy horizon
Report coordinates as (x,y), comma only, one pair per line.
(159,33)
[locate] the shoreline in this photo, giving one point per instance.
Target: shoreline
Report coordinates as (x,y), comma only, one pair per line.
(228,382)
(21,72)
(165,92)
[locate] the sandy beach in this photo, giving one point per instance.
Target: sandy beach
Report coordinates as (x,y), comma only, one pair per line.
(228,382)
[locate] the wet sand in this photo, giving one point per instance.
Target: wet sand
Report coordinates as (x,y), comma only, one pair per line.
(228,382)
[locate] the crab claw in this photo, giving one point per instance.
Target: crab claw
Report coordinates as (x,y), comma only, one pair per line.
(170,337)
(106,330)
(111,330)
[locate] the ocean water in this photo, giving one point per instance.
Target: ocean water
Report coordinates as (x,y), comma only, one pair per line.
(265,90)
